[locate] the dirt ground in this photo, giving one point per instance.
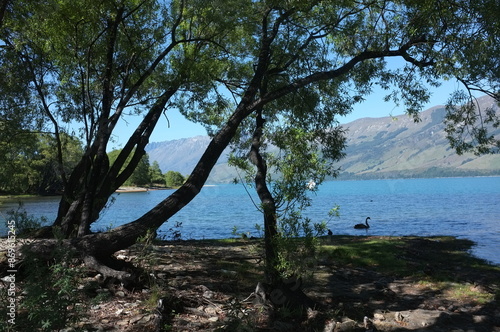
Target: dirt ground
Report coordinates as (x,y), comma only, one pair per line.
(209,286)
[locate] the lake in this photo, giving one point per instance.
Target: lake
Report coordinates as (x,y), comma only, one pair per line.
(463,207)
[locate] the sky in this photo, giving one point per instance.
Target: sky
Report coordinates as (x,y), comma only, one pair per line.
(178,127)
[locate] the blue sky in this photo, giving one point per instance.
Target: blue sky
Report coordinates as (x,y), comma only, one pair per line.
(178,127)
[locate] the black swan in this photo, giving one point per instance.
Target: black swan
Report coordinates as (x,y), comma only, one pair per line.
(363,226)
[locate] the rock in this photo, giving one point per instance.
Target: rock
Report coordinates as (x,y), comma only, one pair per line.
(422,318)
(378,316)
(120,293)
(330,326)
(480,319)
(99,278)
(347,325)
(123,322)
(208,294)
(398,317)
(146,319)
(228,273)
(211,310)
(368,324)
(136,319)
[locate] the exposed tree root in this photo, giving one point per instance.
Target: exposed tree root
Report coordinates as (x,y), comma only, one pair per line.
(123,276)
(44,250)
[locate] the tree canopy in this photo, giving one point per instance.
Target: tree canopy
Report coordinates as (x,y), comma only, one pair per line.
(225,63)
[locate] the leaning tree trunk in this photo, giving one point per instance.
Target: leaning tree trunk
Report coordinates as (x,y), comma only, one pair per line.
(97,248)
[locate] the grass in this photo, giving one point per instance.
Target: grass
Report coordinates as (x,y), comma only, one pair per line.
(433,258)
(443,265)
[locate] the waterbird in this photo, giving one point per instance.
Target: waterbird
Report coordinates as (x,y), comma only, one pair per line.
(363,226)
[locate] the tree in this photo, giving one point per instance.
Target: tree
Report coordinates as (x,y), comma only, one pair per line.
(141,175)
(266,56)
(155,173)
(29,164)
(95,62)
(174,179)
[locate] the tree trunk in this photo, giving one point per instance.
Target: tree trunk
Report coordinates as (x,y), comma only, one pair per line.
(268,203)
(93,180)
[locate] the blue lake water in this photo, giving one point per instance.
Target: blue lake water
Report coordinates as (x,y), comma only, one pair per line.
(463,207)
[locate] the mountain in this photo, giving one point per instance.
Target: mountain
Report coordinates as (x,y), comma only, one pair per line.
(391,147)
(387,147)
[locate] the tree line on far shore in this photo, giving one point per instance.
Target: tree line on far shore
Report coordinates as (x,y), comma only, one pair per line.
(33,168)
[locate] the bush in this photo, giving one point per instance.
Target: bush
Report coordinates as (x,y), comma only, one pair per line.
(51,301)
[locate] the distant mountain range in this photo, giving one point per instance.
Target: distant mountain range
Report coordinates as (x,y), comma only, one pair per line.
(387,147)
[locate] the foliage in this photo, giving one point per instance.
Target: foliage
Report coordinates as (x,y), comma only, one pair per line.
(31,166)
(174,179)
(299,245)
(142,174)
(90,64)
(51,299)
(156,174)
(301,167)
(299,65)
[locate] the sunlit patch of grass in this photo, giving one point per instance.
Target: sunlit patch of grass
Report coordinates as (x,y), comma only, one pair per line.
(464,292)
(468,292)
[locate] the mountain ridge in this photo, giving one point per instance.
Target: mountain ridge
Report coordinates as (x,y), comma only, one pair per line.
(386,147)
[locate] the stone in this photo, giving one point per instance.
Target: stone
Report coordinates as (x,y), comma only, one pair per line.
(208,294)
(398,317)
(330,326)
(479,319)
(347,325)
(146,319)
(211,310)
